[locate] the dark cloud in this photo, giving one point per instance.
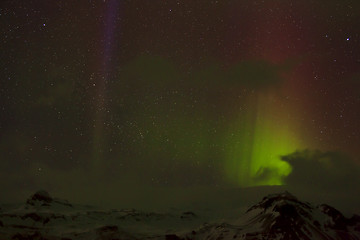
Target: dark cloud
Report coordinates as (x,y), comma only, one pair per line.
(332,171)
(256,74)
(163,125)
(330,177)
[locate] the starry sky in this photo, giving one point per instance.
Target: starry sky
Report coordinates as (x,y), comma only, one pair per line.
(172,94)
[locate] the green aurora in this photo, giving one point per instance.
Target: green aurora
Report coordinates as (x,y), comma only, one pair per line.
(257,141)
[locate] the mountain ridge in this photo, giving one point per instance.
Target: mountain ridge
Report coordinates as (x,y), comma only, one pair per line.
(276,216)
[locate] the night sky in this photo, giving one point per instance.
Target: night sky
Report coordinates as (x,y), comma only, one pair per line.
(141,95)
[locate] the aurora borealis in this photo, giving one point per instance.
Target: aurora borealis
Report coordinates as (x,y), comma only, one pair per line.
(262,138)
(137,95)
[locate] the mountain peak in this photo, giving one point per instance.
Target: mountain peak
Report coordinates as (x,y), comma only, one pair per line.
(41,196)
(274,201)
(43,199)
(282,214)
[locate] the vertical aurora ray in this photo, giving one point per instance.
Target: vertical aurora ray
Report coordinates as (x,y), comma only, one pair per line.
(107,42)
(268,128)
(260,136)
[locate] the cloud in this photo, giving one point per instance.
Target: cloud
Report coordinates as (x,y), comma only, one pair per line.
(330,177)
(258,74)
(325,170)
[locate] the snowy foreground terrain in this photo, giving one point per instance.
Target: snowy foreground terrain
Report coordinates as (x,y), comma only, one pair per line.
(277,216)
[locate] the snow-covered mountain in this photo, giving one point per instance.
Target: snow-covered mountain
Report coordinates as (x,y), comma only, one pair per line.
(277,216)
(283,216)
